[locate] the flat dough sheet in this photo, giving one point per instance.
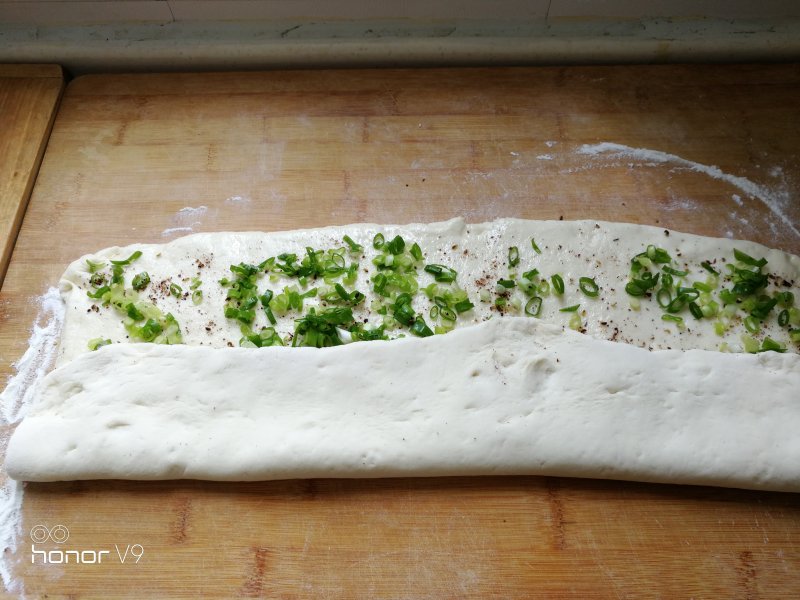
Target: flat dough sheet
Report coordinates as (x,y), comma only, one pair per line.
(508,396)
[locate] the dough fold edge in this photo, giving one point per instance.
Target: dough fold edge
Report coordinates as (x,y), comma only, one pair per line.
(510,396)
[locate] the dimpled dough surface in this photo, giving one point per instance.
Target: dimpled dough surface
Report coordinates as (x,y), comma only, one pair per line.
(509,395)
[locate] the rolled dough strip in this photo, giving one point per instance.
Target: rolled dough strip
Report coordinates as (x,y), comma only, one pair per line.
(508,396)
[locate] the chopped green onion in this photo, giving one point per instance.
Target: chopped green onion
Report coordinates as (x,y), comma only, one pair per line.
(572,308)
(96,343)
(441,273)
(507,283)
(707,266)
(703,287)
(696,311)
(378,241)
(127,261)
(770,345)
(674,272)
(420,328)
(589,287)
(463,306)
(513,256)
(750,344)
(197,297)
(783,318)
(751,324)
(533,307)
(99,292)
(175,290)
(133,312)
(786,299)
(354,247)
(748,260)
(140,281)
(530,275)
(558,283)
(673,318)
(575,322)
(94,266)
(396,246)
(416,251)
(535,247)
(663,297)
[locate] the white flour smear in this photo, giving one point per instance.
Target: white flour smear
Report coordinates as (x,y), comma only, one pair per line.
(774,200)
(171,230)
(14,403)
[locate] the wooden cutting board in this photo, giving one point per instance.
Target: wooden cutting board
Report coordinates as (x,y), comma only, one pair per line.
(284,150)
(29,96)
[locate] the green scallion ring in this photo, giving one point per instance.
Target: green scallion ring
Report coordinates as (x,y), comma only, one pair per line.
(589,287)
(513,256)
(378,241)
(783,318)
(558,283)
(663,297)
(533,307)
(696,311)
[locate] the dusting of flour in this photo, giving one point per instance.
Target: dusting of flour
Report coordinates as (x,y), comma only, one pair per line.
(14,403)
(776,201)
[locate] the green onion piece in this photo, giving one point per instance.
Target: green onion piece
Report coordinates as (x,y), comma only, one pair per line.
(575,322)
(441,273)
(703,287)
(140,281)
(544,287)
(666,281)
(530,275)
(663,297)
(127,261)
(354,247)
(558,283)
(674,272)
(719,327)
(535,247)
(133,312)
(658,255)
(434,312)
(673,318)
(97,280)
(175,290)
(420,328)
(748,260)
(513,256)
(396,246)
(696,311)
(463,306)
(750,344)
(794,335)
(96,343)
(99,292)
(197,297)
(572,308)
(507,283)
(677,304)
(751,324)
(770,345)
(689,293)
(416,251)
(378,241)
(94,266)
(533,307)
(589,287)
(448,314)
(786,299)
(707,266)
(783,318)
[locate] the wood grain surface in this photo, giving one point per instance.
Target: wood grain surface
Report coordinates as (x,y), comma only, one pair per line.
(280,150)
(29,96)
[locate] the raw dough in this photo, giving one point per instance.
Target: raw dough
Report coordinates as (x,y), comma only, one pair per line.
(478,252)
(509,396)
